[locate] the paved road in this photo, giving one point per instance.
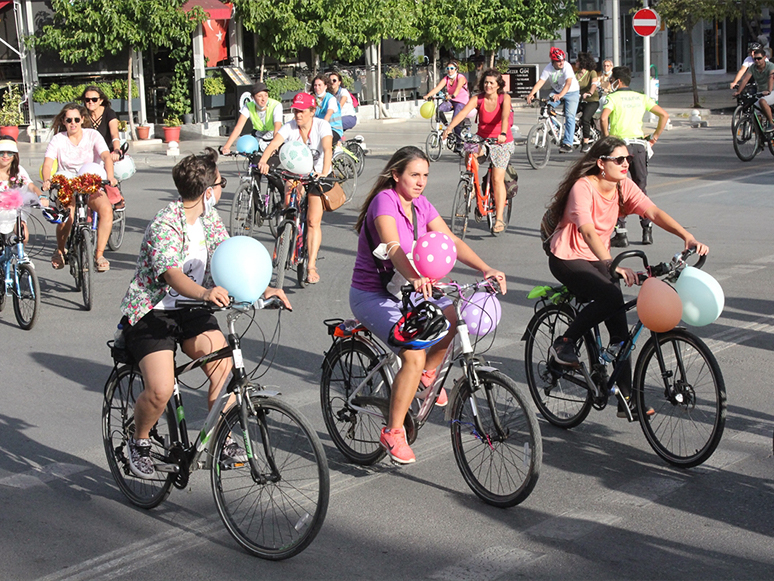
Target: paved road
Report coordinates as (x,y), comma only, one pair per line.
(605,507)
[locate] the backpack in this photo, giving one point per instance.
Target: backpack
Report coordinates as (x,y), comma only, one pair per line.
(511,181)
(547,230)
(355,102)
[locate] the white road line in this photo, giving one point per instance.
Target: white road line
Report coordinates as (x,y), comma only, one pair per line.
(39,476)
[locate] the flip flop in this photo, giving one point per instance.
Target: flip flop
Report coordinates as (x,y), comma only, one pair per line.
(57,260)
(102,264)
(313,277)
(497,231)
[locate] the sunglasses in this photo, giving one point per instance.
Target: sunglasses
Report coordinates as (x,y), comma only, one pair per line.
(6,153)
(222,183)
(757,58)
(618,160)
(451,68)
(73,120)
(90,99)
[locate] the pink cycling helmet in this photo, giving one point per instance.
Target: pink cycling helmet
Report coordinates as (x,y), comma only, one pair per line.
(556,54)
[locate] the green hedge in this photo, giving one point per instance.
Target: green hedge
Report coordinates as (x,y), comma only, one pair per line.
(277,87)
(69,93)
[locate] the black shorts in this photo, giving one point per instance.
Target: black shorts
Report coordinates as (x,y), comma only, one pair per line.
(163,330)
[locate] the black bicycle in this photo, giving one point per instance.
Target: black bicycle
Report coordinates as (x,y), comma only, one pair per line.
(274,503)
(748,127)
(675,374)
(258,199)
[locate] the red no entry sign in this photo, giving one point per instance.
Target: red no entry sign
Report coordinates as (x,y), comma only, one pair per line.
(645,22)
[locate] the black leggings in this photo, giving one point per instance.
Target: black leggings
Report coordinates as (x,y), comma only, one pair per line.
(592,281)
(587,110)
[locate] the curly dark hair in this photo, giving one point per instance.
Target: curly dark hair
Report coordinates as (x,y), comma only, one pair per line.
(195,173)
(492,73)
(586,62)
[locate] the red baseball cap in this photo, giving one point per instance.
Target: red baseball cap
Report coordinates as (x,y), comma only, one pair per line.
(303,101)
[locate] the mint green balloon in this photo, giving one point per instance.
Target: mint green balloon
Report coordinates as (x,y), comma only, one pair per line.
(702,296)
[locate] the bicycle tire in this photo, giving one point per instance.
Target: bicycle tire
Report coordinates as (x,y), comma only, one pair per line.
(277,519)
(770,143)
(355,433)
(276,198)
(121,392)
(461,208)
(118,230)
(345,171)
(26,298)
(538,146)
(356,150)
(561,402)
(284,246)
(433,146)
(501,470)
(735,117)
(85,266)
(2,298)
(507,211)
(302,268)
(688,425)
(240,222)
(746,138)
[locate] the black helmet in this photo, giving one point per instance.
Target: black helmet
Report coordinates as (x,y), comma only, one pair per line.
(421,327)
(754,46)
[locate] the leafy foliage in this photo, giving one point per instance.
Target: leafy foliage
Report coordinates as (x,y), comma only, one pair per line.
(214,85)
(10,111)
(277,87)
(55,93)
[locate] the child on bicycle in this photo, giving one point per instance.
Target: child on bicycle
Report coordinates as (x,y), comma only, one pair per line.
(14,177)
(386,221)
(594,193)
(173,264)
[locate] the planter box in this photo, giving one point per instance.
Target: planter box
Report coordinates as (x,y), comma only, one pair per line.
(403,83)
(214,101)
(53,108)
(122,106)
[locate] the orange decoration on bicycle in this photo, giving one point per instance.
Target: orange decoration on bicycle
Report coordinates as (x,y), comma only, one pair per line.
(88,183)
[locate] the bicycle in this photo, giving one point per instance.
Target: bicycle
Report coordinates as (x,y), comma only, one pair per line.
(548,131)
(275,503)
(355,149)
(747,127)
(675,373)
(471,192)
(438,124)
(495,434)
(116,237)
(256,200)
(344,168)
(290,247)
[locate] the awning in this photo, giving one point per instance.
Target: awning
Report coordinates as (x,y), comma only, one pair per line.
(4,3)
(214,8)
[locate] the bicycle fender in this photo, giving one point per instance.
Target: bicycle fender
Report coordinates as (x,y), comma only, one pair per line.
(265,393)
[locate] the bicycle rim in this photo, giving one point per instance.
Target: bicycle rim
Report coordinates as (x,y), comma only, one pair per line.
(433,146)
(345,171)
(461,208)
(276,519)
(563,403)
(241,220)
(284,247)
(275,208)
(85,266)
(746,138)
(26,299)
(501,467)
(538,146)
(121,393)
(116,237)
(689,420)
(355,433)
(357,151)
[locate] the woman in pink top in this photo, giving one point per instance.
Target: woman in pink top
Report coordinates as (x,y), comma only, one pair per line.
(457,94)
(494,121)
(586,207)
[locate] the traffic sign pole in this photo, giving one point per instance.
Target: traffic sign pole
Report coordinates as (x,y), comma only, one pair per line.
(646,61)
(645,24)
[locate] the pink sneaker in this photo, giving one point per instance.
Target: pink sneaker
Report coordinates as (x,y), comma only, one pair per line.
(395,443)
(428,377)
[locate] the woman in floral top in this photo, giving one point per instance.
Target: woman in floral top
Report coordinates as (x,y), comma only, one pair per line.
(174,264)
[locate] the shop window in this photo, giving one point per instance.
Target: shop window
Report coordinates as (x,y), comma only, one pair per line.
(714,54)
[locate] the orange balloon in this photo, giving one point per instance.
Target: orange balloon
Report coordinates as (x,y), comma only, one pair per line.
(659,306)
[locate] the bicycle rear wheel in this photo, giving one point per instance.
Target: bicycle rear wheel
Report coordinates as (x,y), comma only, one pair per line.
(461,208)
(283,249)
(345,171)
(433,146)
(563,403)
(746,139)
(501,465)
(355,433)
(276,198)
(242,212)
(26,298)
(121,393)
(538,146)
(277,513)
(355,149)
(85,252)
(119,228)
(690,410)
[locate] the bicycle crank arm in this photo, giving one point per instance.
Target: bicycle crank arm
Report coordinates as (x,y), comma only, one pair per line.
(167,468)
(590,382)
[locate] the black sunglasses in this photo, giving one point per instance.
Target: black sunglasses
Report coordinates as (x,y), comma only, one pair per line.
(222,183)
(90,99)
(757,58)
(73,120)
(618,160)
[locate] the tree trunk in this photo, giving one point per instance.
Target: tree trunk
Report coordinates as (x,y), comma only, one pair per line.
(382,111)
(263,66)
(491,59)
(132,130)
(693,67)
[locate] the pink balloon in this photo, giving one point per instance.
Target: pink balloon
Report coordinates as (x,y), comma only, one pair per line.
(435,255)
(481,313)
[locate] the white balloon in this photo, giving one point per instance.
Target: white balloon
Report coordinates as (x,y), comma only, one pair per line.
(295,157)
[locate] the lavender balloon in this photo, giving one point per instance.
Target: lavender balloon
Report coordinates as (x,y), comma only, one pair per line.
(481,313)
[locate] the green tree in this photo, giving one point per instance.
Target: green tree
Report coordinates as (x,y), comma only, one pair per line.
(86,30)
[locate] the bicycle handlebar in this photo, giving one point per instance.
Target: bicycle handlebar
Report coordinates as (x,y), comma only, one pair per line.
(442,289)
(269,303)
(678,262)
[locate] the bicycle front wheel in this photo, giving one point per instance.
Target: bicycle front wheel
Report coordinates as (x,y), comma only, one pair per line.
(433,146)
(116,237)
(538,146)
(121,393)
(85,265)
(357,151)
(461,208)
(277,512)
(688,395)
(26,298)
(345,171)
(562,402)
(284,247)
(746,139)
(276,200)
(241,221)
(349,366)
(502,463)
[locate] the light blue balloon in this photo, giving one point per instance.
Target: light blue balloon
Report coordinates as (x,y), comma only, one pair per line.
(242,266)
(247,144)
(702,296)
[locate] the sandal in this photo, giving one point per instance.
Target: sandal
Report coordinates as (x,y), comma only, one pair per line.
(312,277)
(120,205)
(58,260)
(498,228)
(102,264)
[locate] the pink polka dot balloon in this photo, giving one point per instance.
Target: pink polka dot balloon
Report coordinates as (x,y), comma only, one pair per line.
(434,255)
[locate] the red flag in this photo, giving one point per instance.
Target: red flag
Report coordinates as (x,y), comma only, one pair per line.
(215,41)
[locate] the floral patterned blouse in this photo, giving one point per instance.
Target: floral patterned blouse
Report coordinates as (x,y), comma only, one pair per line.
(165,246)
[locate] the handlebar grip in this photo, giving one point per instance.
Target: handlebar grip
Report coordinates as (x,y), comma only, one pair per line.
(623,256)
(271,303)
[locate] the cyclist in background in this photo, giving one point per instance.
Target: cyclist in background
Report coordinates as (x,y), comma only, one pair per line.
(264,113)
(328,107)
(748,62)
(174,264)
(494,121)
(344,97)
(103,119)
(386,227)
(564,88)
(588,82)
(457,95)
(762,72)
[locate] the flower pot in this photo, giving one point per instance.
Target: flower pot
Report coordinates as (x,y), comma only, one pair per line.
(188,118)
(171,134)
(143,132)
(11,130)
(214,101)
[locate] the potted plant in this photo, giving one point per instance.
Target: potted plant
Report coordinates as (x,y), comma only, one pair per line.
(143,131)
(10,112)
(396,80)
(214,91)
(187,118)
(172,129)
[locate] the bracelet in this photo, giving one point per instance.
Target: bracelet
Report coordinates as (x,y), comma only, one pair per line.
(503,133)
(116,139)
(42,197)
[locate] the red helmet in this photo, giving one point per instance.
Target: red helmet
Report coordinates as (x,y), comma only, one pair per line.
(556,54)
